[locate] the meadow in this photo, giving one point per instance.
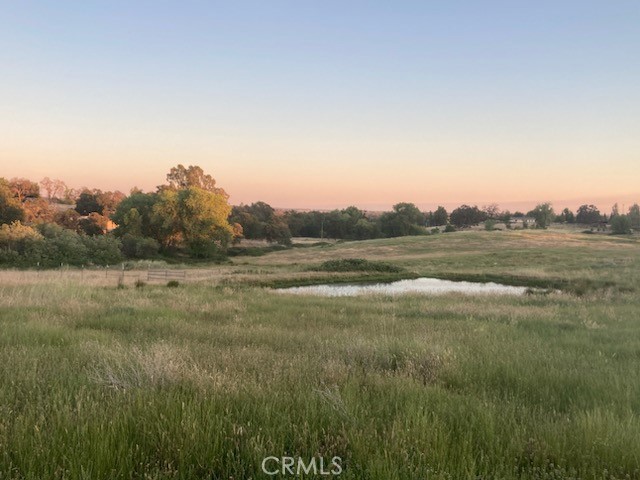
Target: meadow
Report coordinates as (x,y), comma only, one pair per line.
(206,379)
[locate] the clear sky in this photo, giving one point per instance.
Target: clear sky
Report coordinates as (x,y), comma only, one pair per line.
(328,103)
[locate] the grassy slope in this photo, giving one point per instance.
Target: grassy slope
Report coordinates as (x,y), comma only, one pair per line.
(203,381)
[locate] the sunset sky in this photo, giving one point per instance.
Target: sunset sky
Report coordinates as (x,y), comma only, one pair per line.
(322,104)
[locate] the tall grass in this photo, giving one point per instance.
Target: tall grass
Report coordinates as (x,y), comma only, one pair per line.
(204,381)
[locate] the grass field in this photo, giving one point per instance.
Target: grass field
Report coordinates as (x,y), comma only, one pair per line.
(207,379)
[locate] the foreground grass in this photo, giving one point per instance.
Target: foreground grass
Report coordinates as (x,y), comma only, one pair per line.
(204,381)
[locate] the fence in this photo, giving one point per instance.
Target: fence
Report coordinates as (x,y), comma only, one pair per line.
(150,275)
(166,275)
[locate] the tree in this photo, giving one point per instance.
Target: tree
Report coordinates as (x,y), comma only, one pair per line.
(305,224)
(405,219)
(88,203)
(543,214)
(60,246)
(142,222)
(440,217)
(94,224)
(23,188)
(634,215)
(139,247)
(10,208)
(365,229)
(465,216)
(103,249)
(132,223)
(615,210)
(55,189)
(180,178)
(620,225)
(588,214)
(109,201)
(260,221)
(202,220)
(15,235)
(38,210)
(492,211)
(70,195)
(165,220)
(67,219)
(47,184)
(195,218)
(566,216)
(342,223)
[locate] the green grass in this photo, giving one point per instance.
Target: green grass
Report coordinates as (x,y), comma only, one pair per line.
(205,380)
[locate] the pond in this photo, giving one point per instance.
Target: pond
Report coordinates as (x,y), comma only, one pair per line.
(428,286)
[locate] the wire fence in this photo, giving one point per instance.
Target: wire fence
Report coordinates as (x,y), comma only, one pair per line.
(150,275)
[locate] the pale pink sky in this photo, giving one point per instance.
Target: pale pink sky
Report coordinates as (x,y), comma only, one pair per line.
(327,104)
(298,185)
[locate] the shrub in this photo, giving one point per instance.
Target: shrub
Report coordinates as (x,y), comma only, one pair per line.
(173,283)
(620,225)
(60,246)
(355,265)
(17,238)
(489,225)
(139,247)
(102,250)
(449,228)
(254,251)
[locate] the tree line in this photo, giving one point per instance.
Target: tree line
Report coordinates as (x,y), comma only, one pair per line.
(189,216)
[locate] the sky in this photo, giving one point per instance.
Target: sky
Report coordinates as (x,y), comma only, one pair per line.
(325,104)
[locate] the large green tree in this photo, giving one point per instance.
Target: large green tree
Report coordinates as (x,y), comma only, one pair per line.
(260,221)
(194,218)
(88,203)
(466,216)
(404,219)
(543,214)
(588,214)
(566,216)
(134,215)
(440,217)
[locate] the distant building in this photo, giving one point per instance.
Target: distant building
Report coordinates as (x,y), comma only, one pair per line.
(522,221)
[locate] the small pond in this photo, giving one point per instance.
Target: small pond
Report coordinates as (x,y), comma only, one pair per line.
(428,286)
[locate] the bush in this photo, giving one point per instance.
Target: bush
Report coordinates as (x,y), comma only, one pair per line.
(254,251)
(60,246)
(102,250)
(489,225)
(51,245)
(355,265)
(620,225)
(449,228)
(139,247)
(17,238)
(173,283)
